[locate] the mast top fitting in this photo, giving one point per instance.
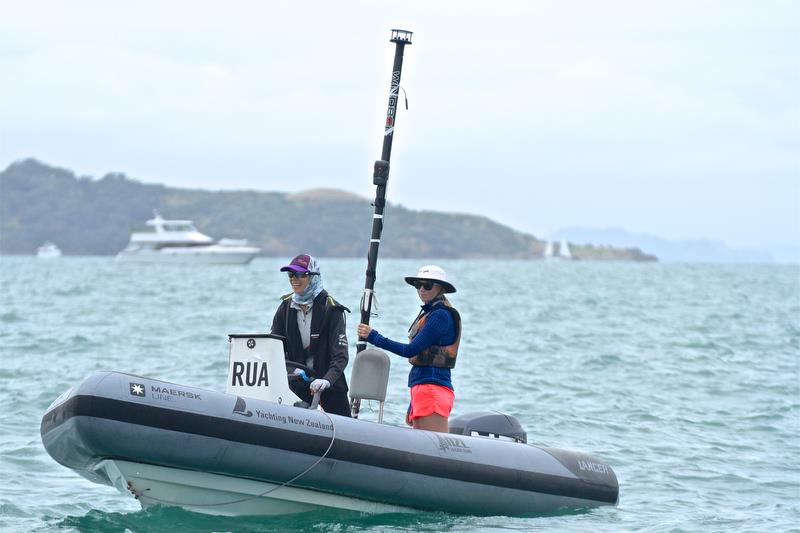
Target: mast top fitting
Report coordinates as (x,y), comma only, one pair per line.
(401,36)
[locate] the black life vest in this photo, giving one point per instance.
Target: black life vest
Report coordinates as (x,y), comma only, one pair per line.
(438,356)
(319,322)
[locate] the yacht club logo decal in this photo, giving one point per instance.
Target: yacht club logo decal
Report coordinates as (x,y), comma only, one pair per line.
(137,389)
(241,408)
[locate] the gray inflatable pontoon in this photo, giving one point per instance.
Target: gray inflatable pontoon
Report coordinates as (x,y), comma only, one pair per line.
(227,453)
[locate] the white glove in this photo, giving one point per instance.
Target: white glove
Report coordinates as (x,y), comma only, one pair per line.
(319,385)
(297,371)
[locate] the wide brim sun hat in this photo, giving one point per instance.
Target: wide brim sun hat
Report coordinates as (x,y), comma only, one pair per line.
(432,273)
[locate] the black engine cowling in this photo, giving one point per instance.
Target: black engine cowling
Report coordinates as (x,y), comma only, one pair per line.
(488,424)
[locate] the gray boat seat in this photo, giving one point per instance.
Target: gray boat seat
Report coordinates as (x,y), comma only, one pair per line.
(369,377)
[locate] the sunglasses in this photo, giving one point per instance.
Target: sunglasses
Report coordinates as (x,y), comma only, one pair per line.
(427,285)
(301,275)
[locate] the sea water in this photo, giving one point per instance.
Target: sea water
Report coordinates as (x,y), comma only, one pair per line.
(684,378)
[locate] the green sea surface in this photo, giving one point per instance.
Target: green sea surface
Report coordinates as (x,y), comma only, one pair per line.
(684,378)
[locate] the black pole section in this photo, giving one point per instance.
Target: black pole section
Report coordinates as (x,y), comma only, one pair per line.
(380,177)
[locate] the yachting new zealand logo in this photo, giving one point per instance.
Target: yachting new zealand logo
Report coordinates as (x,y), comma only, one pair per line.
(241,408)
(137,389)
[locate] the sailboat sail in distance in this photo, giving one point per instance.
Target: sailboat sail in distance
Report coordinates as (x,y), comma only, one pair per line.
(563,252)
(548,250)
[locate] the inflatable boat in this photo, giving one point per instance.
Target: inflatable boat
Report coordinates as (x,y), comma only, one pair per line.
(256,449)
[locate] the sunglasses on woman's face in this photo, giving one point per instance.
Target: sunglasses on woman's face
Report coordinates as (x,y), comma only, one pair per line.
(300,275)
(427,285)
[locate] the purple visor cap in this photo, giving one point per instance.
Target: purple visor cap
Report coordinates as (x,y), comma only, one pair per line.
(298,264)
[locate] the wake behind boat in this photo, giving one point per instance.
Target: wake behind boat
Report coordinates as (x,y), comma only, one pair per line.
(178,241)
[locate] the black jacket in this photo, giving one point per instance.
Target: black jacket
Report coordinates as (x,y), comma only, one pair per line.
(328,337)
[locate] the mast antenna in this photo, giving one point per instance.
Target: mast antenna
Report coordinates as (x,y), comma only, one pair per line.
(380,178)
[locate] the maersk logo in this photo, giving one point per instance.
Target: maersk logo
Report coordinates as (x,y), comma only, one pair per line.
(137,389)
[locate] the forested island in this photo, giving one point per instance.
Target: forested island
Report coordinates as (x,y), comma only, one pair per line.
(86,216)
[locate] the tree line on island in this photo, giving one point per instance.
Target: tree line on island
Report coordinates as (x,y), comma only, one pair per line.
(85,216)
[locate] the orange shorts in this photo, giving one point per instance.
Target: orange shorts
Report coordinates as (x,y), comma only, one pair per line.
(427,399)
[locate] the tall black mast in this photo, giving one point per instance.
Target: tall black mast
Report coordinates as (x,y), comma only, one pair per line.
(381,175)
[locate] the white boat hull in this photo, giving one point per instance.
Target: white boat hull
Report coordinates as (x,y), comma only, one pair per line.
(219,255)
(48,255)
(207,493)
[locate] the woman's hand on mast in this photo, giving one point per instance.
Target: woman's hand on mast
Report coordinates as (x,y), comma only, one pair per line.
(364,330)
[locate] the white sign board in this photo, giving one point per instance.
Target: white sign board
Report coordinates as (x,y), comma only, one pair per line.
(257,369)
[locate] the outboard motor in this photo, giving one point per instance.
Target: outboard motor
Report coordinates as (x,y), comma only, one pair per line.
(488,424)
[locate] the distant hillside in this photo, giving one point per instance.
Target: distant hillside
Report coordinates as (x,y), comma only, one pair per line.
(84,216)
(686,251)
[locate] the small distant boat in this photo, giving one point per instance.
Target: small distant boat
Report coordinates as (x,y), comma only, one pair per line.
(548,250)
(48,251)
(563,250)
(563,253)
(178,241)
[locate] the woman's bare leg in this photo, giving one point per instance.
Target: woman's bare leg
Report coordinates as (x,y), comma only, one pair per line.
(432,422)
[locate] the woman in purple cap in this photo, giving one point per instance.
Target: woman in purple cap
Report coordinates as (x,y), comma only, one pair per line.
(434,337)
(313,324)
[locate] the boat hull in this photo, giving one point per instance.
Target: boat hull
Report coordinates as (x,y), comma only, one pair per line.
(222,454)
(202,255)
(207,493)
(48,255)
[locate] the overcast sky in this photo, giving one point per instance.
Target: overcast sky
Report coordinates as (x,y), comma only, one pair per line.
(676,118)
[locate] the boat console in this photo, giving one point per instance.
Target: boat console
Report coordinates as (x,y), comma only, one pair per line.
(257,368)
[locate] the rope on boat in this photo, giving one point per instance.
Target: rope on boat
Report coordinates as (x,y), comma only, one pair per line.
(138,494)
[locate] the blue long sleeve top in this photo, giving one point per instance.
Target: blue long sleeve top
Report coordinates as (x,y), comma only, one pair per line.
(439,330)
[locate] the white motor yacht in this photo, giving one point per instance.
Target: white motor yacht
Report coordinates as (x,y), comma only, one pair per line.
(48,251)
(178,241)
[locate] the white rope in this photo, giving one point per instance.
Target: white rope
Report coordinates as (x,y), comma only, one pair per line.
(139,494)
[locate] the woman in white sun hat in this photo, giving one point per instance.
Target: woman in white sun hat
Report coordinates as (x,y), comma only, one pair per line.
(432,349)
